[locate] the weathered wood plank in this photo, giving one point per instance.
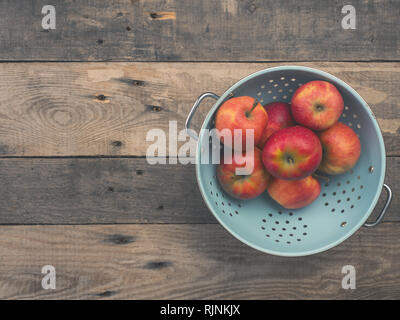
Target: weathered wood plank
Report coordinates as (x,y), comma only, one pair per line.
(188,261)
(71,109)
(228,30)
(83,191)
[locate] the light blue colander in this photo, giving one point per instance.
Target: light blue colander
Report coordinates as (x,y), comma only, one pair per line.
(345,202)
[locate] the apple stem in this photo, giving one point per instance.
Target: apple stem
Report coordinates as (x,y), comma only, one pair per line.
(252,108)
(290,160)
(317,176)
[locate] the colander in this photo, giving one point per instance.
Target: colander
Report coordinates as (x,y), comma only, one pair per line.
(346,200)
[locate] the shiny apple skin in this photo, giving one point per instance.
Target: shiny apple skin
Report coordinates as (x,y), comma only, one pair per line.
(279,117)
(317,105)
(341,149)
(235,114)
(243,187)
(294,194)
(292,153)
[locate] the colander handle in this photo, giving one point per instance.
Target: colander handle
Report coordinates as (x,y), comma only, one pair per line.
(383,212)
(192,112)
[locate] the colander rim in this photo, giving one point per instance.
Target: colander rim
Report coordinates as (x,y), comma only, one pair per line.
(341,83)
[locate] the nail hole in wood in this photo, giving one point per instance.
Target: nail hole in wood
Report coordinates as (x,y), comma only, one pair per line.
(156,108)
(116,143)
(107,293)
(138,83)
(154,15)
(252,8)
(157,264)
(120,239)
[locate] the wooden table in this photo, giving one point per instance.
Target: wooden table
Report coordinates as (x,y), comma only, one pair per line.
(76,104)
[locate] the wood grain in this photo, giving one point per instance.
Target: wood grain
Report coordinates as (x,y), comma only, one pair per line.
(90,191)
(86,109)
(228,30)
(188,261)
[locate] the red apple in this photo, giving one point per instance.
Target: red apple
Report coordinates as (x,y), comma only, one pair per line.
(294,194)
(279,117)
(341,149)
(239,114)
(317,105)
(292,153)
(244,186)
